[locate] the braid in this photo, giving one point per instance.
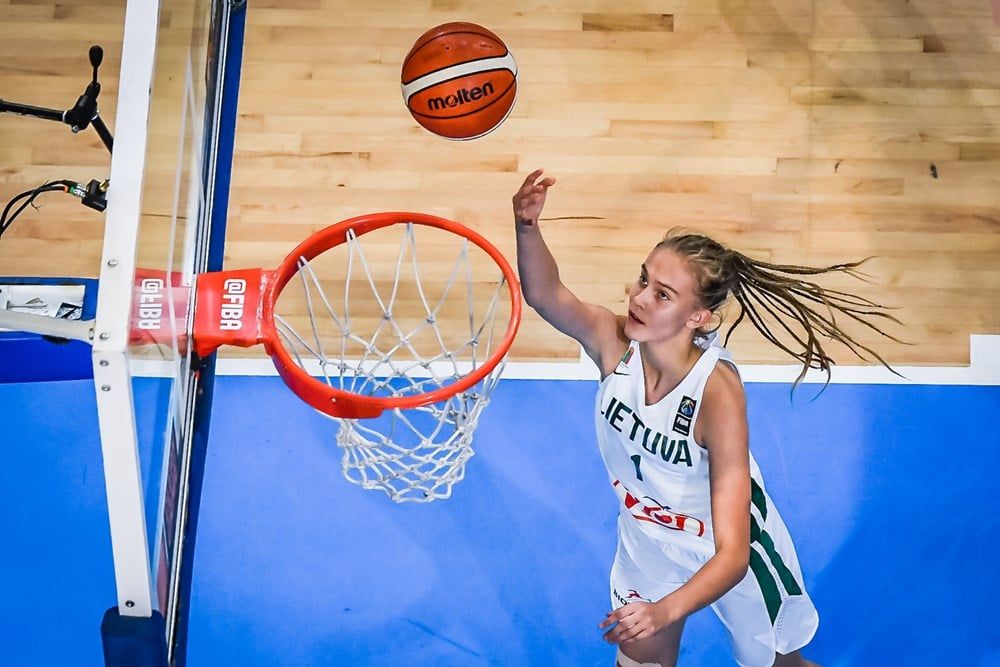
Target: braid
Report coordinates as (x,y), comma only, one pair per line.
(782,294)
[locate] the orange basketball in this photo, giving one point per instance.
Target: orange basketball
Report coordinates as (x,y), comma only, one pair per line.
(459,81)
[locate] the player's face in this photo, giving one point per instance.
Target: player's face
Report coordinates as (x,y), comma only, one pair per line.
(663,300)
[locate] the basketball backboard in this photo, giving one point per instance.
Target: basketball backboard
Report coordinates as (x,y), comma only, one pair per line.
(159,236)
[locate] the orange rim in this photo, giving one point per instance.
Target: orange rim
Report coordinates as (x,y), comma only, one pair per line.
(345,404)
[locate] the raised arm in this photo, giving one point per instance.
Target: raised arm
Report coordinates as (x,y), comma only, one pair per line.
(596,328)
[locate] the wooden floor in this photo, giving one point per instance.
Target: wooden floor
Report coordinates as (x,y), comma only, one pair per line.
(794,130)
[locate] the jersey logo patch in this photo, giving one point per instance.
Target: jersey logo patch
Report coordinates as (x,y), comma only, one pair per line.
(652,511)
(682,422)
(623,362)
(631,596)
(687,407)
(682,425)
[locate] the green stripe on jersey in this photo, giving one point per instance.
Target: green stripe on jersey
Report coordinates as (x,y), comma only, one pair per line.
(772,597)
(758,499)
(763,539)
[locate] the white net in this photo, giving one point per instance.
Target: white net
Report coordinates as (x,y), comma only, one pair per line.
(396,323)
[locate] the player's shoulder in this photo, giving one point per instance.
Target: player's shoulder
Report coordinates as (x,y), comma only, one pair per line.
(723,407)
(724,387)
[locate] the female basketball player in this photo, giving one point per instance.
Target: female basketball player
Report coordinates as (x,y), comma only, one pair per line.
(672,428)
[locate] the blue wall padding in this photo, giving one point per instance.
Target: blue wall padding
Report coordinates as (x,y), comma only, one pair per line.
(888,492)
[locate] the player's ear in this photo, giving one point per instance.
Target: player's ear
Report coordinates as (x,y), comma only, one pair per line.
(699,318)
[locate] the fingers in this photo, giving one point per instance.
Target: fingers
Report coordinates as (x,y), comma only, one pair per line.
(617,615)
(531,195)
(531,178)
(530,185)
(625,631)
(530,198)
(622,634)
(622,622)
(628,626)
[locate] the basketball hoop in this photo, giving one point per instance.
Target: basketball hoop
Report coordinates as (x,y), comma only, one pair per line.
(406,393)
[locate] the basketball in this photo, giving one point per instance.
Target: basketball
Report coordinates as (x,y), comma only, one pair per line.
(459,81)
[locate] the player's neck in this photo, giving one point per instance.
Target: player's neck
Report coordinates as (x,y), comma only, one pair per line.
(668,361)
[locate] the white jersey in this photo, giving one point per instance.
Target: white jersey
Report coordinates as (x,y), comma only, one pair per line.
(657,468)
(665,521)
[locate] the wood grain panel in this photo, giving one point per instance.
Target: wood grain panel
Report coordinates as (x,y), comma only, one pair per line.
(797,131)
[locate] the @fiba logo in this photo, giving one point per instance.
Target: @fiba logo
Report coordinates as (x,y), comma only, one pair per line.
(682,422)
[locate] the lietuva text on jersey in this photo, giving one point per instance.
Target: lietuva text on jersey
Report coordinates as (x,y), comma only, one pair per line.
(624,419)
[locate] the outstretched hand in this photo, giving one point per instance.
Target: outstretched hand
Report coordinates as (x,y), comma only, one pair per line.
(530,198)
(638,620)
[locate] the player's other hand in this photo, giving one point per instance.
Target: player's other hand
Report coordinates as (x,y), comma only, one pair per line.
(530,198)
(638,620)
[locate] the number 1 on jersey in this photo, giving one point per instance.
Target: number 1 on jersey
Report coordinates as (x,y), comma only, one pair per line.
(636,459)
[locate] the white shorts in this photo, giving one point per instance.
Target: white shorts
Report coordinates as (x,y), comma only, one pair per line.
(768,612)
